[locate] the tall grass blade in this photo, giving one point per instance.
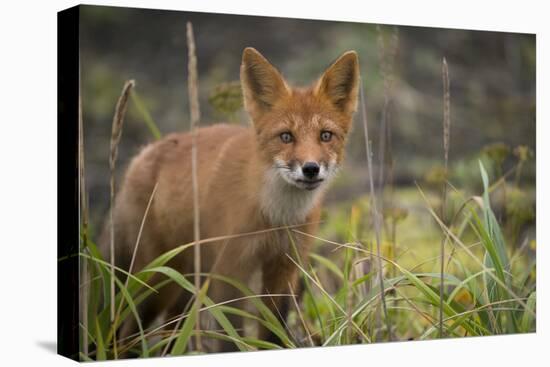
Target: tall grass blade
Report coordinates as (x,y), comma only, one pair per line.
(193,90)
(147,118)
(188,286)
(472,255)
(329,264)
(187,328)
(446,143)
(116,134)
(308,287)
(320,287)
(493,240)
(528,320)
(276,327)
(101,354)
(133,308)
(376,215)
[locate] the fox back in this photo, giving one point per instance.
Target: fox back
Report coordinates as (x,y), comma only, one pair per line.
(253,183)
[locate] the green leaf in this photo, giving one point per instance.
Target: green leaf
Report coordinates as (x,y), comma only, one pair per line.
(131,304)
(186,330)
(464,283)
(493,240)
(216,312)
(265,311)
(528,319)
(100,345)
(308,287)
(105,274)
(133,277)
(85,358)
(151,125)
(262,344)
(328,264)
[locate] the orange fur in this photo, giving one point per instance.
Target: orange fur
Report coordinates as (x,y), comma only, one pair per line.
(241,186)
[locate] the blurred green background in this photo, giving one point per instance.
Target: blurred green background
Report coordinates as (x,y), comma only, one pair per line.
(492,100)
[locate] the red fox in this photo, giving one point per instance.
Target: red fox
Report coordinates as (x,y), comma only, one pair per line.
(272,174)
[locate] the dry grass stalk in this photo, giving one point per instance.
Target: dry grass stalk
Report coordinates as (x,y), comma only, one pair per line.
(246,234)
(446,143)
(116,133)
(382,61)
(141,230)
(283,320)
(193,88)
(349,306)
(446,111)
(375,213)
(84,224)
(469,252)
(178,325)
(300,316)
(386,57)
(130,269)
(134,338)
(318,284)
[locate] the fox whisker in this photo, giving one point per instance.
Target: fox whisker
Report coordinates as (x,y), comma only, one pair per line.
(283,167)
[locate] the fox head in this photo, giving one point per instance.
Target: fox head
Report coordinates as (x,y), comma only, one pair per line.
(301,132)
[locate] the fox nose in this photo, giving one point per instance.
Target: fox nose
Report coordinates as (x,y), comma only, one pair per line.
(310,170)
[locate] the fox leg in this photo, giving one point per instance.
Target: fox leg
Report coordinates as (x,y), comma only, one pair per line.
(221,291)
(279,276)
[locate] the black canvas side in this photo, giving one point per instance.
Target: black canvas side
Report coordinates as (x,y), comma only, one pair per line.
(67,184)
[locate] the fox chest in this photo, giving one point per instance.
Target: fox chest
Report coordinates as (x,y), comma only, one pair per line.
(272,246)
(283,205)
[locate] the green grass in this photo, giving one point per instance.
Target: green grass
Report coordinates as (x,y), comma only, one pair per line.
(489,282)
(490,286)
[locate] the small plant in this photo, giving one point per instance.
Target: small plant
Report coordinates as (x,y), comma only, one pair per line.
(227,100)
(497,152)
(523,154)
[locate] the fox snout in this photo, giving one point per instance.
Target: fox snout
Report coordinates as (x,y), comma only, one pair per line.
(310,170)
(311,175)
(307,175)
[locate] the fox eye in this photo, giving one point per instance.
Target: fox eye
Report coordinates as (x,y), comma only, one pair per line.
(287,137)
(326,136)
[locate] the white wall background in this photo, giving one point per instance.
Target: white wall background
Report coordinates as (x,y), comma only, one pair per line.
(28,105)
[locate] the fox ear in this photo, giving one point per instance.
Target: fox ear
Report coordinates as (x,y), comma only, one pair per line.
(340,83)
(263,86)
